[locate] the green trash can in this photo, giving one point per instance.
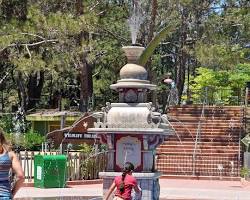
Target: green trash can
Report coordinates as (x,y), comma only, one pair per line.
(50,171)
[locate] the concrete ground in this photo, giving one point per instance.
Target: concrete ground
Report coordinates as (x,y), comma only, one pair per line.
(174,189)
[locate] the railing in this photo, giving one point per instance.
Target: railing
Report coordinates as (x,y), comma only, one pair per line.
(242,133)
(80,166)
(247,96)
(206,165)
(198,136)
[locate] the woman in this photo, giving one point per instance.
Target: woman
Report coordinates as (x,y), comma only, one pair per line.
(8,160)
(124,184)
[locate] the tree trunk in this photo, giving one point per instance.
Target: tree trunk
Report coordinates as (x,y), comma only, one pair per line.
(14,8)
(84,68)
(79,7)
(182,55)
(151,73)
(152,20)
(86,83)
(35,86)
(21,92)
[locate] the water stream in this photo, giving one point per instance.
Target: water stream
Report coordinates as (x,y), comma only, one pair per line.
(173,97)
(19,125)
(223,164)
(135,20)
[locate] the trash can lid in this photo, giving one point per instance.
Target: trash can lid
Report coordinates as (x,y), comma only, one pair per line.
(52,157)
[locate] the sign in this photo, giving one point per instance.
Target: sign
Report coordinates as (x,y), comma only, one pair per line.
(128,149)
(72,135)
(39,173)
(246,140)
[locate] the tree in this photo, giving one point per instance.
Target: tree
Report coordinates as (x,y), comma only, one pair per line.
(53,39)
(71,49)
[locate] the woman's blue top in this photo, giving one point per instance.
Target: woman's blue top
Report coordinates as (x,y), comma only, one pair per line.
(5,166)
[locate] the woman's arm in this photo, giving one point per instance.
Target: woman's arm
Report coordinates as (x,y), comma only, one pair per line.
(112,187)
(137,189)
(17,168)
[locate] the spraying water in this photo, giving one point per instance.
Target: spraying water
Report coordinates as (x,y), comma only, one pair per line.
(19,124)
(173,97)
(135,20)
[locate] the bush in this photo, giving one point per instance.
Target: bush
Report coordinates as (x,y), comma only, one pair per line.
(244,172)
(219,87)
(6,123)
(90,166)
(26,141)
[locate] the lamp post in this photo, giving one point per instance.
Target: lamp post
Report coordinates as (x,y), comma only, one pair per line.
(168,80)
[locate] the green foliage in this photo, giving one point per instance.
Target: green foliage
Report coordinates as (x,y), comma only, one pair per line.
(27,64)
(52,35)
(88,165)
(217,56)
(244,172)
(222,86)
(28,141)
(6,123)
(224,37)
(240,76)
(147,53)
(32,140)
(86,148)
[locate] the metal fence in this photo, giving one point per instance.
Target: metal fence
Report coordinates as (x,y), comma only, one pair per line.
(203,165)
(80,166)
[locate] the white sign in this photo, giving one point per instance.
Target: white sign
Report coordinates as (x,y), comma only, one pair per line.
(69,135)
(39,173)
(128,149)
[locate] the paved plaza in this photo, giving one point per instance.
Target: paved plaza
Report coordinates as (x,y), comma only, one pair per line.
(171,189)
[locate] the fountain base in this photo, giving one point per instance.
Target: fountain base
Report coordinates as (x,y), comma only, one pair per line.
(149,183)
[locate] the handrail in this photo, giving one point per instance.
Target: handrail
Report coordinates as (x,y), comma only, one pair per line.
(197,138)
(243,123)
(246,96)
(179,164)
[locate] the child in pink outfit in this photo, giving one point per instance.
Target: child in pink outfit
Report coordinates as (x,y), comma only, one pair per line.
(124,184)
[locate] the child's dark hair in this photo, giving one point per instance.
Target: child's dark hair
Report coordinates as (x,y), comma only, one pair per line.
(128,167)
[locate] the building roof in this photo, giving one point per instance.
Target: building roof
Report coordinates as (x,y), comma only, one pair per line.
(54,115)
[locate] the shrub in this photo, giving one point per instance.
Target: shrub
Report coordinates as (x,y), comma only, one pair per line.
(244,172)
(26,141)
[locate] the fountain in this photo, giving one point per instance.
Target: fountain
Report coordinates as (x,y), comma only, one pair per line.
(132,129)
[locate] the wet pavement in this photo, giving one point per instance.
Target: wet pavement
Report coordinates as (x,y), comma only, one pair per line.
(171,189)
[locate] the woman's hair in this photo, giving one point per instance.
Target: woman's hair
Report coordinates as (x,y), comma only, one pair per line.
(3,141)
(128,167)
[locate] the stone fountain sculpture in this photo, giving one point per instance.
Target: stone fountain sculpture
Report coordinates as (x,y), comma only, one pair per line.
(131,128)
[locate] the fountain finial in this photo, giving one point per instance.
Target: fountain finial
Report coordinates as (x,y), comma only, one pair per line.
(133,53)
